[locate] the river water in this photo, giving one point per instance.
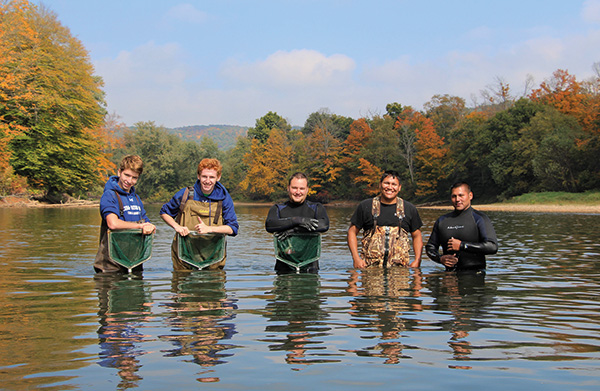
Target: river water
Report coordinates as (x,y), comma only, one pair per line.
(532,321)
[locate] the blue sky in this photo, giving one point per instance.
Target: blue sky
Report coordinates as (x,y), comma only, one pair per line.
(232,61)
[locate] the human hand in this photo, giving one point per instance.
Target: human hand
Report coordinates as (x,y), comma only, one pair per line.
(282,235)
(359,263)
(309,224)
(201,227)
(183,231)
(148,228)
(453,244)
(448,260)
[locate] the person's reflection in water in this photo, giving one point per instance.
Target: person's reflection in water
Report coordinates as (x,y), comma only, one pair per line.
(294,309)
(379,301)
(463,294)
(124,305)
(201,318)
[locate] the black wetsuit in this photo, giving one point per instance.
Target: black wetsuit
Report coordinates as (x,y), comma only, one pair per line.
(289,215)
(476,233)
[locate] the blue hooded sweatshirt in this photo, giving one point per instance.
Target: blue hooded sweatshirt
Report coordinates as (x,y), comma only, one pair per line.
(219,193)
(133,209)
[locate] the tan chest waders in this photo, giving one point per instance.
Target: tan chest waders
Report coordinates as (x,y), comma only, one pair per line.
(199,251)
(385,246)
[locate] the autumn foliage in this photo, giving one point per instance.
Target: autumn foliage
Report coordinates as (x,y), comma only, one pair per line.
(56,137)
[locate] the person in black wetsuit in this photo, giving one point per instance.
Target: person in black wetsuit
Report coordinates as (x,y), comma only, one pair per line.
(297,215)
(466,235)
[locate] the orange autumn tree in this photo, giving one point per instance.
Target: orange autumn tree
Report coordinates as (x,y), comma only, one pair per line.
(108,136)
(567,95)
(17,36)
(431,156)
(51,102)
(358,169)
(268,165)
(322,166)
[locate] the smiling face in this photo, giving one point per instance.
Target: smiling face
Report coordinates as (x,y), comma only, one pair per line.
(208,179)
(390,187)
(298,190)
(127,179)
(461,197)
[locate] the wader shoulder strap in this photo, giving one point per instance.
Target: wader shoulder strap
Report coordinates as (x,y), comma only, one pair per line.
(120,203)
(376,209)
(187,193)
(219,211)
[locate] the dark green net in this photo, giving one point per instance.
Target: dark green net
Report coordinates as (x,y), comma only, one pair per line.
(201,250)
(129,247)
(298,250)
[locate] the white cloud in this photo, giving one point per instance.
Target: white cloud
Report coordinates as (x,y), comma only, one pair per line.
(186,12)
(154,83)
(294,68)
(591,11)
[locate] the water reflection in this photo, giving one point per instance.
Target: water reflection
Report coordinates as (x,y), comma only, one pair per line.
(382,304)
(534,315)
(200,317)
(465,297)
(123,308)
(296,319)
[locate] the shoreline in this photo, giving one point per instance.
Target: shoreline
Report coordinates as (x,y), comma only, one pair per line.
(20,202)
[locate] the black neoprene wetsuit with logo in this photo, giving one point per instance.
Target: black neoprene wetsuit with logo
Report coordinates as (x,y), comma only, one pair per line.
(476,233)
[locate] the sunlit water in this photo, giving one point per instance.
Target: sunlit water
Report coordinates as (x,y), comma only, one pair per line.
(532,321)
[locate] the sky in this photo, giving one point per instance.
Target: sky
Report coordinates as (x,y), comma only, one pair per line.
(230,62)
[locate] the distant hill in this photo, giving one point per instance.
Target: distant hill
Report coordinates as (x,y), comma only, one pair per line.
(224,135)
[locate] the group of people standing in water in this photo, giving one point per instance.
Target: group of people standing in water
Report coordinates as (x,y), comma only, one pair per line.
(388,223)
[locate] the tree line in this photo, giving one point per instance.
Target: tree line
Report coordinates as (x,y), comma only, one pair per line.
(57,138)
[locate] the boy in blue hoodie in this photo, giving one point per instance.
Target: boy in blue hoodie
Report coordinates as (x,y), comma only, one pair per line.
(121,208)
(206,208)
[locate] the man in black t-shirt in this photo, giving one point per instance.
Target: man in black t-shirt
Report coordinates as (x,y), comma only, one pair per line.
(387,222)
(465,235)
(294,224)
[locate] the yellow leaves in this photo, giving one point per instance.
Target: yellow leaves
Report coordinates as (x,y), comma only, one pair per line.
(370,175)
(268,164)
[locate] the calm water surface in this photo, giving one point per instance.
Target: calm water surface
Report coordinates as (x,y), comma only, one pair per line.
(532,321)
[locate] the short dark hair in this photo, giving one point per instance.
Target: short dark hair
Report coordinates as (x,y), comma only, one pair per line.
(459,184)
(392,173)
(298,175)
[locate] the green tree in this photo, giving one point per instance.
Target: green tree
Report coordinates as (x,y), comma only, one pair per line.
(264,125)
(169,162)
(234,167)
(445,111)
(511,171)
(336,125)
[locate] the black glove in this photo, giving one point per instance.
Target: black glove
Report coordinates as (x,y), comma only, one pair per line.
(309,224)
(283,234)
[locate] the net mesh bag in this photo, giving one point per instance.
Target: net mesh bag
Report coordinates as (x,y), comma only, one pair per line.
(298,250)
(129,247)
(201,250)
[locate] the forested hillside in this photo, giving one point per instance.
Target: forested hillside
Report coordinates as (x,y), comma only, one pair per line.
(224,135)
(56,137)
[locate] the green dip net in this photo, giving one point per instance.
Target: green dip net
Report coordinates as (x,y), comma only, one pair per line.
(201,250)
(298,249)
(129,247)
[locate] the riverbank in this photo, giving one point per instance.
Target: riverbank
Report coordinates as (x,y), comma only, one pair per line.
(536,208)
(567,207)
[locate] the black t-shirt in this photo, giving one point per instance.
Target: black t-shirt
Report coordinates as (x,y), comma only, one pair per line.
(363,218)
